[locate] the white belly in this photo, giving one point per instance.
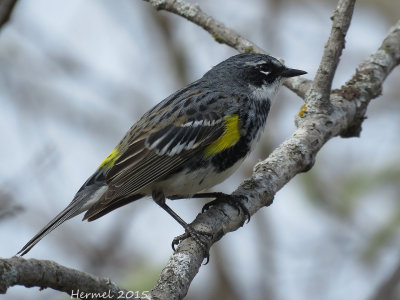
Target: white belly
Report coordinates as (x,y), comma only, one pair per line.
(191,183)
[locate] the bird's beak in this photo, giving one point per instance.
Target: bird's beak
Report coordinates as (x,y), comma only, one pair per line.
(292,72)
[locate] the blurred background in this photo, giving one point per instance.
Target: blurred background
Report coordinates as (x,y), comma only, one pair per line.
(75,75)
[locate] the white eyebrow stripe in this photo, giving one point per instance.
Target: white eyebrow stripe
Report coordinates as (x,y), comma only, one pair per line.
(257,63)
(266,72)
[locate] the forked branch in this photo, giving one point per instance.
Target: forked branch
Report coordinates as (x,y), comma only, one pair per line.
(296,154)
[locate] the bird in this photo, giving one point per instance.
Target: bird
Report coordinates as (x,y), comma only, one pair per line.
(190,141)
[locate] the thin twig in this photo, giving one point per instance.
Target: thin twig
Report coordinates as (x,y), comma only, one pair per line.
(6,8)
(295,155)
(319,93)
(219,31)
(222,34)
(299,85)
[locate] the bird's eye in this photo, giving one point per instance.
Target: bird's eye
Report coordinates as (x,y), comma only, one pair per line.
(265,68)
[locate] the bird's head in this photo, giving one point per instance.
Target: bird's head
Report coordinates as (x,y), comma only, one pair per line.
(260,74)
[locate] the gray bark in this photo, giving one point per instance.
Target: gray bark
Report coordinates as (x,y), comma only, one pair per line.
(326,114)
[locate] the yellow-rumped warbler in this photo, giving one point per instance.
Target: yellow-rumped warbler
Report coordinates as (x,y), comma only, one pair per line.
(190,141)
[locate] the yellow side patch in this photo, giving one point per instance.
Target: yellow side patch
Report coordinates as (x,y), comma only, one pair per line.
(110,160)
(230,137)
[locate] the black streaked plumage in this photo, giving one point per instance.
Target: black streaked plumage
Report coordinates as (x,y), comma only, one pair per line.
(190,141)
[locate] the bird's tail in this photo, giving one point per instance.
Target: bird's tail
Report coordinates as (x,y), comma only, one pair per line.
(86,196)
(64,215)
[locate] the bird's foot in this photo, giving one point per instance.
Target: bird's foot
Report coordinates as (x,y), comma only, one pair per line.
(232,200)
(200,237)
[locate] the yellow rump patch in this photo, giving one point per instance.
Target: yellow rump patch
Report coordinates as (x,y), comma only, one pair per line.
(230,137)
(110,160)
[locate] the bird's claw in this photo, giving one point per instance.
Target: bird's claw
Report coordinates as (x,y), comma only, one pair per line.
(198,236)
(232,200)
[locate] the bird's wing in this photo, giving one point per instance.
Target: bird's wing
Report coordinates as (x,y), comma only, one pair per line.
(154,155)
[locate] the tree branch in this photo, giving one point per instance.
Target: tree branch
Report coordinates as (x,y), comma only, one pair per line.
(6,8)
(387,290)
(223,35)
(366,83)
(295,155)
(46,273)
(219,31)
(318,96)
